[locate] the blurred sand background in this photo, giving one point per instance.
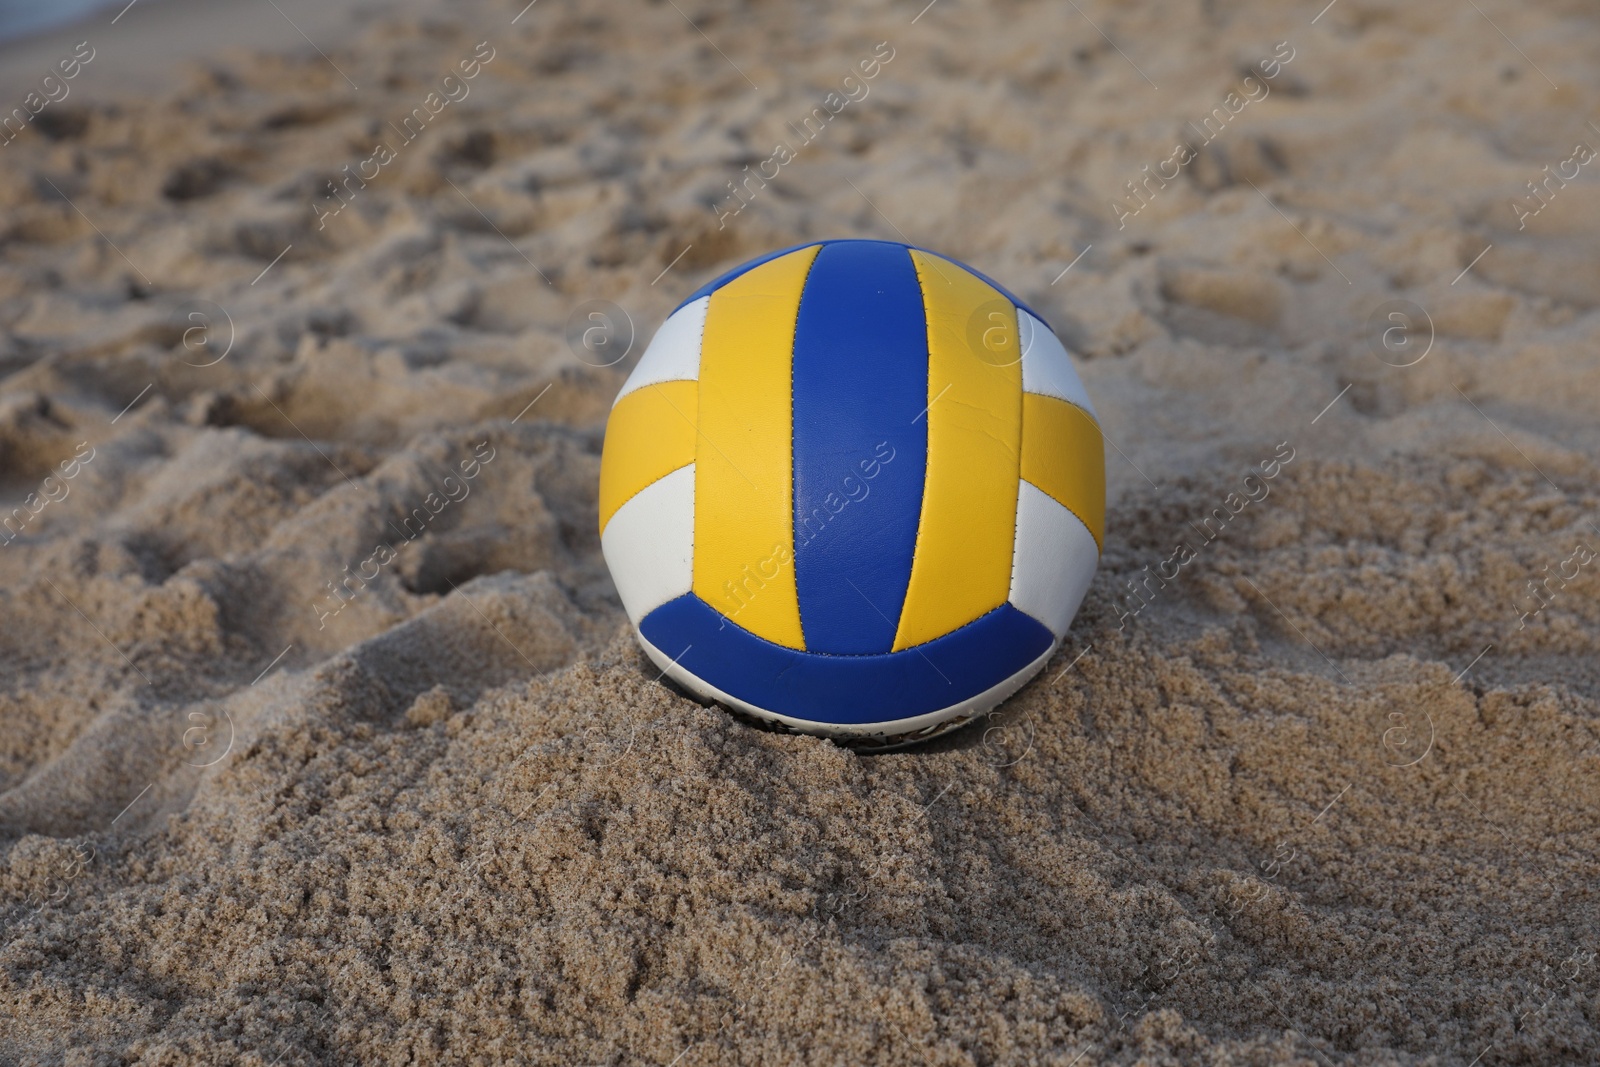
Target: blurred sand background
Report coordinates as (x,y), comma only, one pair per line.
(1330,795)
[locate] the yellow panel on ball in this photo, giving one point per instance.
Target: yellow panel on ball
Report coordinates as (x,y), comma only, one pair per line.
(962,565)
(649,435)
(1064,454)
(744,461)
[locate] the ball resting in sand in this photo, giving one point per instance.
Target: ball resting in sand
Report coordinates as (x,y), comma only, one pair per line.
(854,488)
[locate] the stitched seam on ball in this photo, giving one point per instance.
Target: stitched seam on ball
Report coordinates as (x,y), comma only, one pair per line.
(1099,549)
(699,406)
(922,502)
(1022,443)
(1034,392)
(794,547)
(700,343)
(636,492)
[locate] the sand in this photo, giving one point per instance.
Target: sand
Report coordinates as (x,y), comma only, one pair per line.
(1323,790)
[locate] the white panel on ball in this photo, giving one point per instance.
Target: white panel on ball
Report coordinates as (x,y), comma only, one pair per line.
(649,544)
(674,352)
(1046,367)
(1053,561)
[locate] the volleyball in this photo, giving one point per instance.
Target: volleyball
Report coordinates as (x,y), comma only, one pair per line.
(854,488)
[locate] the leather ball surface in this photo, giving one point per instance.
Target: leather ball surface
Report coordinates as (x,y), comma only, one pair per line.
(855,488)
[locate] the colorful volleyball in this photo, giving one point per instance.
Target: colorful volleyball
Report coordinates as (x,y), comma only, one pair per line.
(855,488)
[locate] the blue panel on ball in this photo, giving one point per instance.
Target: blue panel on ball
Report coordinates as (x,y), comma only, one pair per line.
(860,443)
(846,690)
(723,279)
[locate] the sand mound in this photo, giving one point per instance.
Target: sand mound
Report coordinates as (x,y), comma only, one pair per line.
(325,739)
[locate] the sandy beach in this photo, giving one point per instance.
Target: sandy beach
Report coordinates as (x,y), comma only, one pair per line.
(324,738)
